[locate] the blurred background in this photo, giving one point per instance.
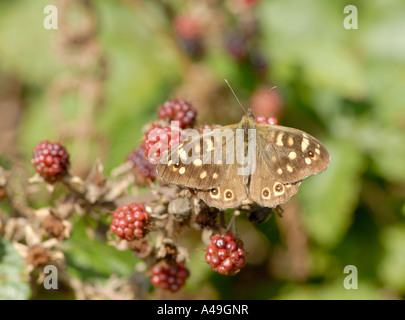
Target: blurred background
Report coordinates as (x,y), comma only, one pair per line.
(93,83)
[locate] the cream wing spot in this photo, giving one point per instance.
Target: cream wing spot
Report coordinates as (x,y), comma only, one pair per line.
(279,171)
(290,140)
(292,155)
(182,170)
(197,162)
(183,155)
(279,140)
(317,151)
(203,174)
(308,161)
(304,144)
(214,176)
(289,168)
(169,163)
(210,145)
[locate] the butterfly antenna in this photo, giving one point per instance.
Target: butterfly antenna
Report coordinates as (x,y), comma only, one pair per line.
(235,95)
(257,104)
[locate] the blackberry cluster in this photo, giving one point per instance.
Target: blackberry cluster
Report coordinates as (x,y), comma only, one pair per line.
(178,110)
(130,222)
(142,168)
(169,278)
(269,120)
(50,160)
(159,140)
(225,254)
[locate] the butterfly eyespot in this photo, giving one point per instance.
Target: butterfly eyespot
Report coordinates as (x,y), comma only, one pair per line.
(310,154)
(177,165)
(228,194)
(214,192)
(278,188)
(266,193)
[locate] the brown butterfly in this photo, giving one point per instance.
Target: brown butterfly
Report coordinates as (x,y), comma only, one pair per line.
(281,158)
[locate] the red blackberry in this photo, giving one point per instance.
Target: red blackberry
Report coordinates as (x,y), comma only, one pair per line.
(169,278)
(130,221)
(225,254)
(142,168)
(159,140)
(269,120)
(51,160)
(178,110)
(186,27)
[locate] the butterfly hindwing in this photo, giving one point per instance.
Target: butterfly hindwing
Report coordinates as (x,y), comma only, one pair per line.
(266,191)
(291,155)
(229,194)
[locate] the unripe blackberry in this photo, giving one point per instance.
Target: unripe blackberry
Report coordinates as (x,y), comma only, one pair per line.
(225,254)
(236,46)
(50,160)
(159,140)
(194,47)
(259,62)
(269,120)
(178,110)
(142,168)
(130,221)
(169,278)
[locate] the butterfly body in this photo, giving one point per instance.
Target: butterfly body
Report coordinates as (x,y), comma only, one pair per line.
(244,163)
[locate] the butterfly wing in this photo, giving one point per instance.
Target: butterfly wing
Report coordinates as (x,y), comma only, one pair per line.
(199,162)
(266,191)
(291,154)
(230,194)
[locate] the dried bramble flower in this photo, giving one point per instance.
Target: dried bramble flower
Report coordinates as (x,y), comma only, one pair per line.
(37,256)
(54,227)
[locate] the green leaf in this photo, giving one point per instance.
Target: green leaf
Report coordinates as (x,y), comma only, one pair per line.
(13,283)
(392,266)
(91,258)
(329,199)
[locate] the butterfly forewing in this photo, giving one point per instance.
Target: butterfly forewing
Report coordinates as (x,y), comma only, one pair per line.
(290,154)
(197,163)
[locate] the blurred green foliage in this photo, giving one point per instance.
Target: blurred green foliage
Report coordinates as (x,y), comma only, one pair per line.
(343,86)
